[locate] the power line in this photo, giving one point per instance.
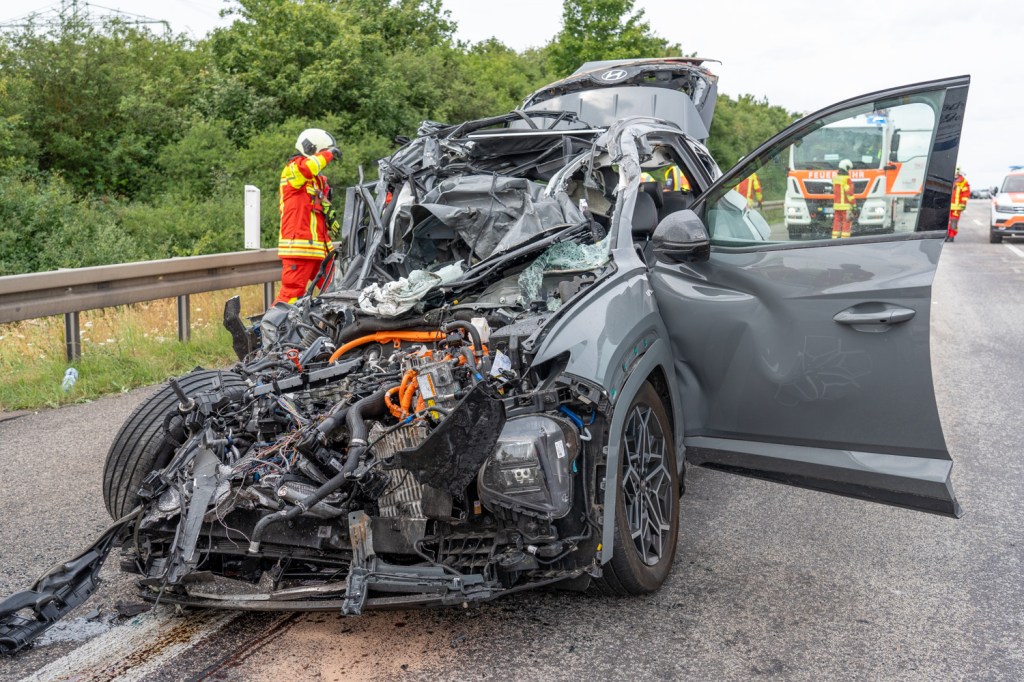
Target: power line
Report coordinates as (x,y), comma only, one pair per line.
(56,14)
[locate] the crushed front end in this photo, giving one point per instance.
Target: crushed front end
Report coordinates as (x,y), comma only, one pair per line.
(390,442)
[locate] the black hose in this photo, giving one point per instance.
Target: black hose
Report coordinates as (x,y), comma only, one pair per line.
(371,406)
(363,326)
(474,333)
(331,422)
(355,416)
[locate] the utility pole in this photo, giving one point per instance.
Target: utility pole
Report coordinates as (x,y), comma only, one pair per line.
(77,13)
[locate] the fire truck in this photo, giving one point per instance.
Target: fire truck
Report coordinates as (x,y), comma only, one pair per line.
(888,174)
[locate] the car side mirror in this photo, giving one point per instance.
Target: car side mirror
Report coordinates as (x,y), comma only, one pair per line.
(680,237)
(995,191)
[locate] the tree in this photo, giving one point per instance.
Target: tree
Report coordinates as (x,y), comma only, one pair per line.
(603,29)
(741,124)
(95,103)
(111,134)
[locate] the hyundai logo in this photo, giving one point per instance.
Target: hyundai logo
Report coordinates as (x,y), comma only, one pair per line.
(614,75)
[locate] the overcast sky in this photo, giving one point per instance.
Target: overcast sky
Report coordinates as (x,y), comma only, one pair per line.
(784,50)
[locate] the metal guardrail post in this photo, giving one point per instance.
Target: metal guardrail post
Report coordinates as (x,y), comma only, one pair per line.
(184,319)
(72,336)
(268,295)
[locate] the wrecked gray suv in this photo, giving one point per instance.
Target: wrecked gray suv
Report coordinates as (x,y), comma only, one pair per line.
(524,341)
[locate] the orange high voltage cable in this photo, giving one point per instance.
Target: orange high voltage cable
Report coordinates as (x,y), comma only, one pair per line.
(396,411)
(381,337)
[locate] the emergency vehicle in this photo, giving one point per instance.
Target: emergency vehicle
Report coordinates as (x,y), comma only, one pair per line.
(888,173)
(1008,207)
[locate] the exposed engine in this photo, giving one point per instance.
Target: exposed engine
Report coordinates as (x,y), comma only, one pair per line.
(389,440)
(401,453)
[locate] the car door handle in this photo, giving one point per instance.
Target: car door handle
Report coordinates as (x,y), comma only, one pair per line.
(874,314)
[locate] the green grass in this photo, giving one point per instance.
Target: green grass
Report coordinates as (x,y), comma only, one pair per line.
(122,348)
(135,360)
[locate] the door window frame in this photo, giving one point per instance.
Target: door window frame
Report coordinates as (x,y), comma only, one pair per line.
(938,182)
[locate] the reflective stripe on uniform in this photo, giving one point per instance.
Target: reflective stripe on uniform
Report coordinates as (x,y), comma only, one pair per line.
(303,232)
(961,190)
(841,200)
(302,248)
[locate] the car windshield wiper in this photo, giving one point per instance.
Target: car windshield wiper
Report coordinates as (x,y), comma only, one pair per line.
(814,165)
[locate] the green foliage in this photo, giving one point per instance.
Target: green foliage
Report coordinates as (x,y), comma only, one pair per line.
(192,165)
(742,124)
(119,144)
(172,226)
(603,29)
(495,78)
(94,103)
(44,226)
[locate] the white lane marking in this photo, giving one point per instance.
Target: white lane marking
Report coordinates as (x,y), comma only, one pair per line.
(977,222)
(138,648)
(1013,248)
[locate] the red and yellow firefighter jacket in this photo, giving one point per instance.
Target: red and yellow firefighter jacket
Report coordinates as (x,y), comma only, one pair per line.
(670,178)
(675,180)
(961,192)
(751,189)
(842,192)
(302,194)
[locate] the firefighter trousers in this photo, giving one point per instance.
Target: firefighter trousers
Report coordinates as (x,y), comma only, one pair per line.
(841,224)
(296,274)
(954,224)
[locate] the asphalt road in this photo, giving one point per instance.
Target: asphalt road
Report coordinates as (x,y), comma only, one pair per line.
(769,581)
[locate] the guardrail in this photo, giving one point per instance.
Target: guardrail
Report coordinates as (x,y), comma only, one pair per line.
(68,292)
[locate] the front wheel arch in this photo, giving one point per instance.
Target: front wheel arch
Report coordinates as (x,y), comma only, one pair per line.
(657,361)
(646,487)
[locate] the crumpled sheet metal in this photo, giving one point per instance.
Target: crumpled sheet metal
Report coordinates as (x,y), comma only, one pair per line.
(394,298)
(491,213)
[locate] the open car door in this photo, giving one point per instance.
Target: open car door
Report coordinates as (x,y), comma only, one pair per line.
(802,341)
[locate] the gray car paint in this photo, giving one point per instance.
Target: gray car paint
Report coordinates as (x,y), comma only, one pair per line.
(771,384)
(771,365)
(775,386)
(604,92)
(601,107)
(633,341)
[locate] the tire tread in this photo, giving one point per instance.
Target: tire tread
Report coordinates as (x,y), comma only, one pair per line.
(142,441)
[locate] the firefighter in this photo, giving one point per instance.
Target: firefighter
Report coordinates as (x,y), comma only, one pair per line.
(751,189)
(671,179)
(958,202)
(306,214)
(843,203)
(674,180)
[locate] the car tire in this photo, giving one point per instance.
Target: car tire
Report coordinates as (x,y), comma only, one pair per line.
(642,554)
(144,443)
(994,238)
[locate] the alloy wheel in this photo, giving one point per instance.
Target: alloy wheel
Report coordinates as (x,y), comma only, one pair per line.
(647,484)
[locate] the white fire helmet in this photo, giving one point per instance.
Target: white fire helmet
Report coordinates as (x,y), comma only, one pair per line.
(313,140)
(845,164)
